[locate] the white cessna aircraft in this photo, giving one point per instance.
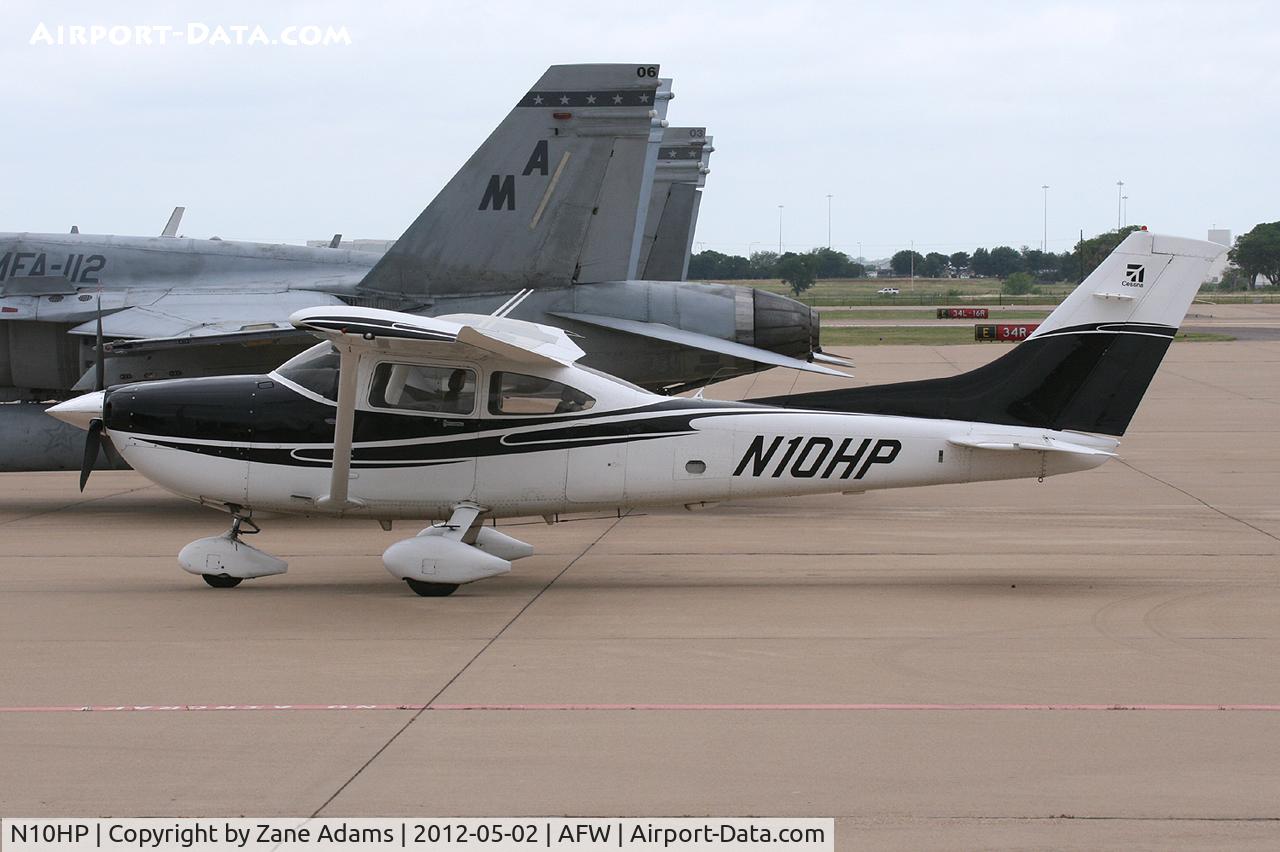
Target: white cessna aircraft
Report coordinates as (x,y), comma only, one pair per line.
(466,418)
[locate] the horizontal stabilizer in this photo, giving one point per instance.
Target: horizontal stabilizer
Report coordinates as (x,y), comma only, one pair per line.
(692,339)
(1040,444)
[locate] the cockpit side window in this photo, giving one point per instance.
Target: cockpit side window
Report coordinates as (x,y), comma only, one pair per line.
(415,387)
(316,369)
(518,394)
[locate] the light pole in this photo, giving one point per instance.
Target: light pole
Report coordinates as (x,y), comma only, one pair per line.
(1125,208)
(912,255)
(828,220)
(1119,203)
(1044,242)
(779,230)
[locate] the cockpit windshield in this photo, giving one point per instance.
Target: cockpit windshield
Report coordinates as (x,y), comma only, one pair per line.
(315,369)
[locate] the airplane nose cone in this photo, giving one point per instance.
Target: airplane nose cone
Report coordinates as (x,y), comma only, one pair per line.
(79,411)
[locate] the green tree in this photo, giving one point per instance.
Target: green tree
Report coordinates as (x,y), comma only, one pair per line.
(1258,253)
(1018,284)
(901,263)
(707,264)
(1233,279)
(959,260)
(980,263)
(1005,261)
(764,264)
(934,266)
(1091,252)
(829,263)
(796,271)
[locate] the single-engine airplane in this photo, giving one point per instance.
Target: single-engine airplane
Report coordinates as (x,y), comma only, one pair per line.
(467,417)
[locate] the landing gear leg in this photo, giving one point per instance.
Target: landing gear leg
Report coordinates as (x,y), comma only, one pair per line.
(223,561)
(444,556)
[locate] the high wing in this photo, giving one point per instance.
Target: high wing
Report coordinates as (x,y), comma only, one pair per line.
(352,330)
(683,337)
(454,335)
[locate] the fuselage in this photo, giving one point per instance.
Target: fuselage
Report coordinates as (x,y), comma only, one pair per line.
(264,443)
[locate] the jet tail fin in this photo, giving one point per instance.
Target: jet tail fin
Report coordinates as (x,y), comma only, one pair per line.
(522,210)
(673,206)
(175,220)
(1086,367)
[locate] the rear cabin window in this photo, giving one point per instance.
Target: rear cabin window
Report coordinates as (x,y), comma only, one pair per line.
(414,387)
(518,394)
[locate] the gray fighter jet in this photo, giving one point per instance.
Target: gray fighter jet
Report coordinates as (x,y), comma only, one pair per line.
(553,206)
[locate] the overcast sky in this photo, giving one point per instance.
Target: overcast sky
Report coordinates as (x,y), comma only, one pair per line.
(934,122)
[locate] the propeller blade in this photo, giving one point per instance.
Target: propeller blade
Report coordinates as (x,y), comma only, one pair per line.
(92,441)
(117,461)
(99,365)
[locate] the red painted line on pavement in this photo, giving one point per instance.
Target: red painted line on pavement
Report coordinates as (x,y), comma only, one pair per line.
(437,708)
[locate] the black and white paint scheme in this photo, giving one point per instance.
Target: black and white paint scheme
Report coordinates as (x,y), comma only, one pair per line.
(466,418)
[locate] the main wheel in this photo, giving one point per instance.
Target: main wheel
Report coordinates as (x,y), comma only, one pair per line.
(222,581)
(432,590)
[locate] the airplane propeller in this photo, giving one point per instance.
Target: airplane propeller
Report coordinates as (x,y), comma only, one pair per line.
(95,440)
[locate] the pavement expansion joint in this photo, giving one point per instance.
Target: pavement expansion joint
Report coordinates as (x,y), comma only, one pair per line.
(487,645)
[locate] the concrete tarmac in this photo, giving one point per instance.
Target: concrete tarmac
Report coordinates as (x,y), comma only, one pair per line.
(1149,583)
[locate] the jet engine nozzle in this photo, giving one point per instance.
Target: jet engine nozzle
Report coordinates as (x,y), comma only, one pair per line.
(784,325)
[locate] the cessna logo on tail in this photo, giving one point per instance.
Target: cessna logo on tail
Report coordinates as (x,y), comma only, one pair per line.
(500,194)
(1133,275)
(816,457)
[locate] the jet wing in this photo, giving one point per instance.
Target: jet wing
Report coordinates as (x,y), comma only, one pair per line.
(448,336)
(207,314)
(682,337)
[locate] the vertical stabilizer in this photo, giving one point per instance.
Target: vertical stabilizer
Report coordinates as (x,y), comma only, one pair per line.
(673,207)
(522,211)
(1086,367)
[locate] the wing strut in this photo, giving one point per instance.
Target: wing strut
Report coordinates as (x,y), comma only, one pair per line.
(343,428)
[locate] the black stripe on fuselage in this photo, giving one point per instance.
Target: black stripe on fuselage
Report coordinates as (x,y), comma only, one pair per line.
(243,417)
(456,448)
